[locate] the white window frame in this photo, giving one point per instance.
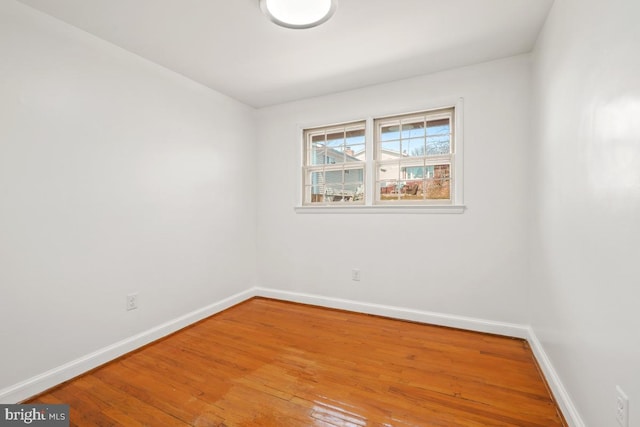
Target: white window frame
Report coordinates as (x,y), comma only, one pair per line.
(453,205)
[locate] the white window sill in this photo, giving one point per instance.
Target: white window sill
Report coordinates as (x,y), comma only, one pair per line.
(403,209)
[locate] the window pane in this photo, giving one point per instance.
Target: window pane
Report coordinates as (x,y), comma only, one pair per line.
(414,172)
(389,172)
(316,193)
(389,133)
(438,127)
(354,184)
(317,157)
(438,145)
(429,172)
(333,183)
(439,186)
(388,190)
(390,150)
(355,153)
(355,136)
(413,129)
(315,186)
(411,190)
(354,176)
(333,177)
(334,155)
(352,187)
(333,191)
(335,139)
(413,147)
(318,139)
(441,171)
(315,178)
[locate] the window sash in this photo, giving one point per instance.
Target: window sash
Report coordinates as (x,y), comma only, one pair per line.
(390,183)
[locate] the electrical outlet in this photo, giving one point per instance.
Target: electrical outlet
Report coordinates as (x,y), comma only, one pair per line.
(355,274)
(132,301)
(622,407)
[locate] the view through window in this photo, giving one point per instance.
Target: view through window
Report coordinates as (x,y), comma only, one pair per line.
(410,161)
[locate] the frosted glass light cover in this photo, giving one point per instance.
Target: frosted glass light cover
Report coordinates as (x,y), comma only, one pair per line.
(298,13)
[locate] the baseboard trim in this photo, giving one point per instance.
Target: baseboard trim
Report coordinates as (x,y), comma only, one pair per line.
(440,319)
(560,393)
(53,377)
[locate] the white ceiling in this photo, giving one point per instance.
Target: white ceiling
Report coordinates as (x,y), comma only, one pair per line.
(233,48)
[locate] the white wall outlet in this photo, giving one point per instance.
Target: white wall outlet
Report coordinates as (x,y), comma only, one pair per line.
(622,407)
(355,274)
(132,301)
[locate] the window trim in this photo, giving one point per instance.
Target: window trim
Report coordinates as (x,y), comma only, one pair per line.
(456,205)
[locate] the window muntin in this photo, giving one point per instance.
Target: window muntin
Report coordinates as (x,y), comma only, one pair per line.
(334,168)
(414,158)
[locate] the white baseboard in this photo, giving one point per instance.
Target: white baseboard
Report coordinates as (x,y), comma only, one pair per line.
(561,395)
(53,377)
(440,319)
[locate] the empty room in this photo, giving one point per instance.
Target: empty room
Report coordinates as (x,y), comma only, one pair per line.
(320,213)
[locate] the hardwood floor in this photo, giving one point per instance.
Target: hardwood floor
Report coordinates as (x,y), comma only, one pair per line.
(273,363)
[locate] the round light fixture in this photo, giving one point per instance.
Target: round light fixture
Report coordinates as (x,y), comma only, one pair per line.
(298,14)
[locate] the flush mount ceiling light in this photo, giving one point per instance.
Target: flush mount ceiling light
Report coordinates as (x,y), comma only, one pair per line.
(298,13)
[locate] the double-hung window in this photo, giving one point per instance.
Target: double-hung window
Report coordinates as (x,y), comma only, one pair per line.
(407,160)
(413,158)
(335,164)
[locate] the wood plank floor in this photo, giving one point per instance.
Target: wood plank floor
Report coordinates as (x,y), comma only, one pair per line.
(273,363)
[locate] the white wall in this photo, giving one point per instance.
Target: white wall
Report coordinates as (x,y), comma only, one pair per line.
(585,293)
(116,176)
(469,264)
